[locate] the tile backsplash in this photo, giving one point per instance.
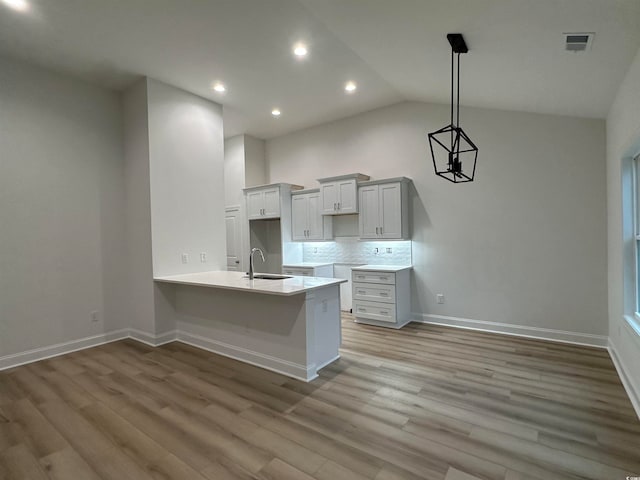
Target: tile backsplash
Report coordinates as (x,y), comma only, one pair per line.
(353,251)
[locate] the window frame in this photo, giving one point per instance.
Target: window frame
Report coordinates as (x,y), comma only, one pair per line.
(635,172)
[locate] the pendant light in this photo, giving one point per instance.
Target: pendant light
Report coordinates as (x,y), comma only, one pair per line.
(454,154)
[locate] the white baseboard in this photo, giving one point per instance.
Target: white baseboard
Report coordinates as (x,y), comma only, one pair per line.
(42,353)
(290,369)
(538,333)
(632,392)
(151,339)
(277,365)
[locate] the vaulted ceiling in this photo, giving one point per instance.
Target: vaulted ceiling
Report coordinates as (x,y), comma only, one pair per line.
(394,50)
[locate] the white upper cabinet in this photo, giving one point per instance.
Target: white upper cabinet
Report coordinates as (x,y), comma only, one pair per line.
(265,201)
(307,222)
(384,209)
(339,195)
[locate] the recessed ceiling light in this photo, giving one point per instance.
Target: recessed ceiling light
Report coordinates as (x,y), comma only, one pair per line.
(219,87)
(300,50)
(19,5)
(350,87)
(275,112)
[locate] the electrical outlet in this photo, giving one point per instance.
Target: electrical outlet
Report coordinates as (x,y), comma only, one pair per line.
(315,250)
(376,251)
(203,257)
(388,249)
(185,258)
(95,316)
(440,297)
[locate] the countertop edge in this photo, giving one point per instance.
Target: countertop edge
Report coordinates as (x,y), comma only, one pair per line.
(303,290)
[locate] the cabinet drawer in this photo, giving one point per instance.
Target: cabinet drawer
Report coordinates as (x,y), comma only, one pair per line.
(374,292)
(383,312)
(373,277)
(300,272)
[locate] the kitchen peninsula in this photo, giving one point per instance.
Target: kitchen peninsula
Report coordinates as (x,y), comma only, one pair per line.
(290,325)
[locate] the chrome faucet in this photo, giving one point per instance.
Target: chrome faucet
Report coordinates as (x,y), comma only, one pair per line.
(254,250)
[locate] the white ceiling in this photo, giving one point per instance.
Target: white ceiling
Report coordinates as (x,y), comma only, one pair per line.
(394,49)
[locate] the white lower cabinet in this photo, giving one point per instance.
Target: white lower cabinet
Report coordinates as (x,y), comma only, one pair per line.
(381,296)
(311,271)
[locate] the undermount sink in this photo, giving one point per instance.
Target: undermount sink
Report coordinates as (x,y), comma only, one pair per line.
(269,276)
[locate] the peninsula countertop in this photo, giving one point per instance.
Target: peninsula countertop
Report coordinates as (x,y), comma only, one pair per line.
(238,281)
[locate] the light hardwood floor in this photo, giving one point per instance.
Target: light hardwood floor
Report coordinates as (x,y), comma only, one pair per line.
(423,402)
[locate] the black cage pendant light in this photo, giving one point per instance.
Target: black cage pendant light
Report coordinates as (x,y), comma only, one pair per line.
(454,154)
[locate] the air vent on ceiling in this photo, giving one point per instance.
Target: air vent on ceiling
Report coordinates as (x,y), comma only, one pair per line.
(578,42)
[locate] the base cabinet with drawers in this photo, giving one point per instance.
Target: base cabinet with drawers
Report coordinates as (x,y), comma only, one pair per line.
(309,270)
(381,295)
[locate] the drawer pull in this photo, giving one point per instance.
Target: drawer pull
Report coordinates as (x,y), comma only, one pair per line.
(361,292)
(383,278)
(384,294)
(382,312)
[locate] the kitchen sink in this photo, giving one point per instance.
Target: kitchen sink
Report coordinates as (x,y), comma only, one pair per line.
(269,276)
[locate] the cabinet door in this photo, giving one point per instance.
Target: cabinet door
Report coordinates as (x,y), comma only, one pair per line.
(299,217)
(329,196)
(347,196)
(315,225)
(255,204)
(271,203)
(390,210)
(369,212)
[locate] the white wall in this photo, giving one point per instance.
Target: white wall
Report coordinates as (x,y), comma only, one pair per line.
(244,166)
(524,245)
(138,213)
(186,153)
(175,195)
(62,248)
(234,169)
(255,168)
(623,141)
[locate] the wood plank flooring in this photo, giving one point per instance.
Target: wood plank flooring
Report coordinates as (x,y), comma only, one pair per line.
(425,402)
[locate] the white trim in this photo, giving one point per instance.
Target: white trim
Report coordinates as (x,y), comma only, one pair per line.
(151,339)
(42,353)
(324,364)
(290,369)
(634,322)
(632,392)
(539,333)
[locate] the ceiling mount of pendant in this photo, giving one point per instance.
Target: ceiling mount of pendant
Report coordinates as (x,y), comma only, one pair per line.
(458,45)
(454,154)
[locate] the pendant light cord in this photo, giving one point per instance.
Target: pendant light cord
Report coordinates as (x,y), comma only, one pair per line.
(458,96)
(452,95)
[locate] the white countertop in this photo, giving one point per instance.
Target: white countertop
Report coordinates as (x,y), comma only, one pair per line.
(384,268)
(305,265)
(236,281)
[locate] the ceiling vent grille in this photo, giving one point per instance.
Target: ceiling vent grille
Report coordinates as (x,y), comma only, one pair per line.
(578,42)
